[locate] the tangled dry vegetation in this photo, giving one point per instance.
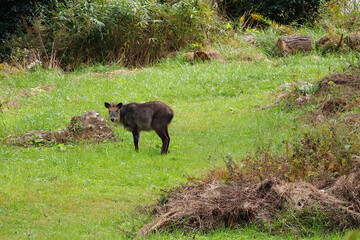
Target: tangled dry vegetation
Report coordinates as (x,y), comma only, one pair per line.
(316,180)
(209,205)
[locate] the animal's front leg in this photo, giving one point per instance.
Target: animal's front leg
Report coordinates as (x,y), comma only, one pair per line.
(136,135)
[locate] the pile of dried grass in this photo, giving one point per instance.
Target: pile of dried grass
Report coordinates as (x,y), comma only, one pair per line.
(342,87)
(344,79)
(207,206)
(347,188)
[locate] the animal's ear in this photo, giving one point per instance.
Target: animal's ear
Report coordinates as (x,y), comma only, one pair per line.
(119,105)
(107,105)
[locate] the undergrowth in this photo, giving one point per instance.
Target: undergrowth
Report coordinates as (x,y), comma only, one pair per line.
(325,141)
(131,33)
(318,155)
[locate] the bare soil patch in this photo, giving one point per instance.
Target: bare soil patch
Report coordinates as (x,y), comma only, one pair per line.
(13,103)
(32,92)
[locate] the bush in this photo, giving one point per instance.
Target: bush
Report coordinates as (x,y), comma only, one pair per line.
(131,32)
(15,13)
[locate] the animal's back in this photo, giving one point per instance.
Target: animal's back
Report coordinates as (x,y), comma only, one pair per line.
(161,111)
(143,116)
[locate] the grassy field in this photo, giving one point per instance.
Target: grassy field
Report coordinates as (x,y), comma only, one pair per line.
(99,191)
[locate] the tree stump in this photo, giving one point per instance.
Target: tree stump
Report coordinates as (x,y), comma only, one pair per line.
(330,43)
(353,40)
(288,45)
(203,56)
(200,55)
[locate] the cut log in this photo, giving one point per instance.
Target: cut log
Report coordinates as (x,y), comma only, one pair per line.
(289,45)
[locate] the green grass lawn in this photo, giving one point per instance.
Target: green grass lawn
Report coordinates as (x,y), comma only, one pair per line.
(99,191)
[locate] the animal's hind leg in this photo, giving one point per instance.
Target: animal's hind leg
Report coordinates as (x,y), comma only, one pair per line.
(165,141)
(168,139)
(136,135)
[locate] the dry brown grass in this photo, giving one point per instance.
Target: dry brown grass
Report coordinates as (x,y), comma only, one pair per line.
(208,205)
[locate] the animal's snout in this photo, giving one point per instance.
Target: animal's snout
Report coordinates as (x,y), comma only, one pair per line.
(112,119)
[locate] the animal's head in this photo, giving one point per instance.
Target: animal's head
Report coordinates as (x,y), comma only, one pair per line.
(114,110)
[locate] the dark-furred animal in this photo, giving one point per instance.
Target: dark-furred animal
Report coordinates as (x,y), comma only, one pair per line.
(137,117)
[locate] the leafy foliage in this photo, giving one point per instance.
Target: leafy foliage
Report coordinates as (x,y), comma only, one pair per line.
(132,32)
(15,16)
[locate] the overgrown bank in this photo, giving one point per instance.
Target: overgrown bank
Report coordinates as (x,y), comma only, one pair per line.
(315,183)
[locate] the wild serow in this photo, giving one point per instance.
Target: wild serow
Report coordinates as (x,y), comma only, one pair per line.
(137,117)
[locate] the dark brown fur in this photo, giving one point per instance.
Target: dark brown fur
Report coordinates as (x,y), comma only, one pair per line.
(137,117)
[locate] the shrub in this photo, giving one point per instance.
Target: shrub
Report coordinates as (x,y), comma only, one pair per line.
(132,32)
(15,13)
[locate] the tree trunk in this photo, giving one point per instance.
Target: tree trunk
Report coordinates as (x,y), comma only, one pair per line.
(288,45)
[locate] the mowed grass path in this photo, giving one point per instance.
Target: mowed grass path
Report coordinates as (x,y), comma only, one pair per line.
(84,190)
